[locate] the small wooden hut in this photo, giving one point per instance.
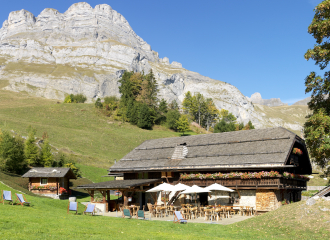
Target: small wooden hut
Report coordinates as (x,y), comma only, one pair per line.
(49,181)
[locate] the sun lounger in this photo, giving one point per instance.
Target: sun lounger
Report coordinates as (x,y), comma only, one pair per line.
(126,213)
(178,217)
(140,214)
(21,199)
(73,206)
(6,196)
(90,208)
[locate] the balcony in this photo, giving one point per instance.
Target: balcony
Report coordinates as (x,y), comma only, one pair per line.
(255,183)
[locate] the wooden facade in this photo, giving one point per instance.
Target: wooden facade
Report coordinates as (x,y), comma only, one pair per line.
(259,150)
(50,181)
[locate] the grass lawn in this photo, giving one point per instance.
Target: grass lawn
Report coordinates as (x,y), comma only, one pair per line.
(94,174)
(47,219)
(79,129)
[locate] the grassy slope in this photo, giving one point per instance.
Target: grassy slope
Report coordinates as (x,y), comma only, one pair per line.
(47,219)
(77,127)
(294,114)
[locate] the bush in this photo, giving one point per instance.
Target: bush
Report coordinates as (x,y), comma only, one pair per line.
(78,98)
(98,103)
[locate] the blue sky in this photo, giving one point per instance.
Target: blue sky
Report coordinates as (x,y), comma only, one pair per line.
(255,45)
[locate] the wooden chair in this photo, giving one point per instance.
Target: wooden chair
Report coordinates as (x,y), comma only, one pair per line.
(241,210)
(170,210)
(6,196)
(208,214)
(247,211)
(193,212)
(21,200)
(152,210)
(73,206)
(186,213)
(90,208)
(178,217)
(120,205)
(228,212)
(233,211)
(219,213)
(159,211)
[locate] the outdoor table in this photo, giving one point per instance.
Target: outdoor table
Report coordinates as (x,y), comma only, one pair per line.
(163,211)
(133,210)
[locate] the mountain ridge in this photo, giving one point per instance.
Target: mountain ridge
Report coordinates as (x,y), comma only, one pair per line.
(86,50)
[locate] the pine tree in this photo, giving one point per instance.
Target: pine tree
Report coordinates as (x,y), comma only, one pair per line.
(144,117)
(31,150)
(12,153)
(172,117)
(46,158)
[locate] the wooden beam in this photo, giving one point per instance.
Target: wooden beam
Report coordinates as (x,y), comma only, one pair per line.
(108,199)
(239,195)
(125,198)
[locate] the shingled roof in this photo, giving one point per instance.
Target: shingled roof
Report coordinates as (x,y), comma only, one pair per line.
(119,184)
(50,172)
(258,148)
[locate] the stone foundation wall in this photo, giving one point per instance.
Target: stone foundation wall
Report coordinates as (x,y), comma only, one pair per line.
(248,198)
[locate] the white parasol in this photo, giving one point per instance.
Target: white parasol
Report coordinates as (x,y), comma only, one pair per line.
(179,187)
(218,187)
(195,189)
(162,187)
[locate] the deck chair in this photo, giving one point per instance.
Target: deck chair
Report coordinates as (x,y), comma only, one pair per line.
(140,214)
(126,213)
(178,217)
(73,206)
(21,199)
(6,196)
(90,208)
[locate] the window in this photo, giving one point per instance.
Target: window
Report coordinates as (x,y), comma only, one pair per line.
(43,181)
(143,175)
(167,174)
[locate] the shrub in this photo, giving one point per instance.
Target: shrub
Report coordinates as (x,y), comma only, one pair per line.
(78,98)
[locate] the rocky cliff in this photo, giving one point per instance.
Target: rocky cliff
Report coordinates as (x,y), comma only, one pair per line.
(273,102)
(86,50)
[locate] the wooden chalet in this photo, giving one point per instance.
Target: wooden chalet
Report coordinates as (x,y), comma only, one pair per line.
(263,166)
(49,181)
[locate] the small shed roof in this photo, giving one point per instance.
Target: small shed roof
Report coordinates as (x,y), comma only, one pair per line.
(50,172)
(268,148)
(119,184)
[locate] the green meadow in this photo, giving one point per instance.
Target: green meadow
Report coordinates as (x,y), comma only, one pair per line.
(48,219)
(78,129)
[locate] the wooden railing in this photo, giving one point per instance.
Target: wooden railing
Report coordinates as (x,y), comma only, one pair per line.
(267,183)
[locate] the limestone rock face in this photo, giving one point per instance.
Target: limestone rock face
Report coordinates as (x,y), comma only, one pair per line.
(303,101)
(273,102)
(86,50)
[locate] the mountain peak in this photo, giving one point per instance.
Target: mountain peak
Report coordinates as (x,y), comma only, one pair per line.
(273,102)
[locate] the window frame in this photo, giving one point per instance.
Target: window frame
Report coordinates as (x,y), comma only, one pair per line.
(43,183)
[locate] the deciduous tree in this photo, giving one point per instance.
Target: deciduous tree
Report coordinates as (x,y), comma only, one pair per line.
(317,127)
(182,124)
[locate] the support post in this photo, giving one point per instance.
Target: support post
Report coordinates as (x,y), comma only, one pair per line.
(108,198)
(92,196)
(125,198)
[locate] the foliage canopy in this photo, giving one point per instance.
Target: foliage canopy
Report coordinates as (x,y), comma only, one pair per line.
(317,127)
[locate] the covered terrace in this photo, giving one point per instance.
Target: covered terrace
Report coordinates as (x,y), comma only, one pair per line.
(124,186)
